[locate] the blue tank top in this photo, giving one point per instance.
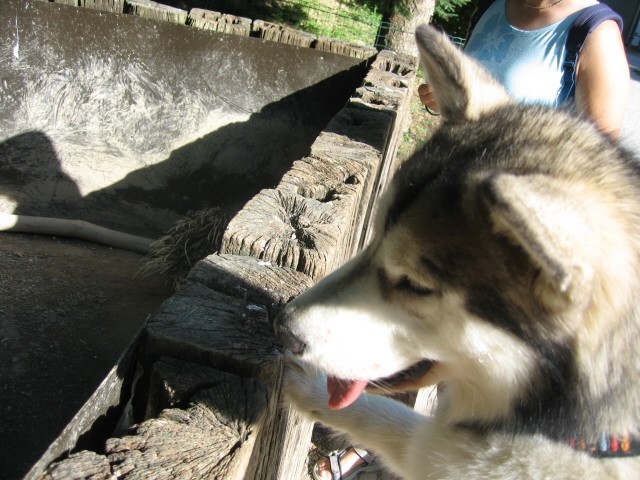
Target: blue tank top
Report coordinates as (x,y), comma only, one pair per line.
(527,62)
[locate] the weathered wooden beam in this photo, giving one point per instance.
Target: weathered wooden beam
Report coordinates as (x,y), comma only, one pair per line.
(173,382)
(344,48)
(308,222)
(248,278)
(203,326)
(74,3)
(382,91)
(233,334)
(394,73)
(219,22)
(283,449)
(155,11)
(281,33)
(212,438)
(366,125)
(397,63)
(328,176)
(337,168)
(115,6)
(291,231)
(83,464)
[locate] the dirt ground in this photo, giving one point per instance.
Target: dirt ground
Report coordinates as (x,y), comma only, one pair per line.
(68,309)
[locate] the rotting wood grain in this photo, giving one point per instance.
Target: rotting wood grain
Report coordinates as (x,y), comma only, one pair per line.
(115,6)
(173,382)
(84,464)
(282,34)
(363,124)
(335,174)
(344,48)
(219,22)
(155,11)
(202,326)
(291,231)
(211,439)
(325,179)
(253,280)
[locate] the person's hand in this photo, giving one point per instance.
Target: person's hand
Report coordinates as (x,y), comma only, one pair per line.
(428,98)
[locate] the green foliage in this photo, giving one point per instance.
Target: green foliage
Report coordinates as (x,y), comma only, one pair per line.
(448,9)
(357,21)
(346,21)
(453,16)
(445,9)
(343,20)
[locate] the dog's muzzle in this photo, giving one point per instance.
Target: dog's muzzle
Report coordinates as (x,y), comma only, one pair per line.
(284,334)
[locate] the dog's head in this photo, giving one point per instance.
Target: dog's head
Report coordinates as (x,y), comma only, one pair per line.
(495,249)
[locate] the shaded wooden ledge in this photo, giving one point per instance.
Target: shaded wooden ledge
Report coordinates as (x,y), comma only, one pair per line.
(155,11)
(197,339)
(219,22)
(251,279)
(213,437)
(207,327)
(276,32)
(232,332)
(345,48)
(174,384)
(291,231)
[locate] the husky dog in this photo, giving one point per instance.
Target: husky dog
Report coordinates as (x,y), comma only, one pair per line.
(506,269)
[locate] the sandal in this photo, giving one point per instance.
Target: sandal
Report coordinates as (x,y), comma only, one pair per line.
(336,467)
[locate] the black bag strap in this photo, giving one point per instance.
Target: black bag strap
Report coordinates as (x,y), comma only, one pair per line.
(582,26)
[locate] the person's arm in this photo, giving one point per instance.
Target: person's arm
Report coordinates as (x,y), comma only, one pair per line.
(602,78)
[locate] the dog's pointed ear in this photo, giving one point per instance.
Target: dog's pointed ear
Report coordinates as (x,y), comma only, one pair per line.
(461,86)
(552,223)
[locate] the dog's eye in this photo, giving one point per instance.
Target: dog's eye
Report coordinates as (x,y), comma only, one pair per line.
(407,285)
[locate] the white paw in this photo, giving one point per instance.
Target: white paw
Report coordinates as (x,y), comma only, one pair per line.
(305,388)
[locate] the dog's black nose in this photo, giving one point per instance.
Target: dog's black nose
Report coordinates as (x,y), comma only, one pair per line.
(290,341)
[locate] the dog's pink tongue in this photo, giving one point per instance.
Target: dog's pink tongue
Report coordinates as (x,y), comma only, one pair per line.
(343,392)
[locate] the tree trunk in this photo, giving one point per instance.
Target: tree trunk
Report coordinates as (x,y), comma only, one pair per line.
(405,17)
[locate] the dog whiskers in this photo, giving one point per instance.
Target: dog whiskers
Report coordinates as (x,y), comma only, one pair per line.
(382,386)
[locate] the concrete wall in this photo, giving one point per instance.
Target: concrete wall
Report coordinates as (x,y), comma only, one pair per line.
(131,123)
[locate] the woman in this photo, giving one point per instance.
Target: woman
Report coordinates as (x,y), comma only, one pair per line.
(521,42)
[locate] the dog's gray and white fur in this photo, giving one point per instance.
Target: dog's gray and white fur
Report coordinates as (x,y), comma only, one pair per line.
(507,253)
